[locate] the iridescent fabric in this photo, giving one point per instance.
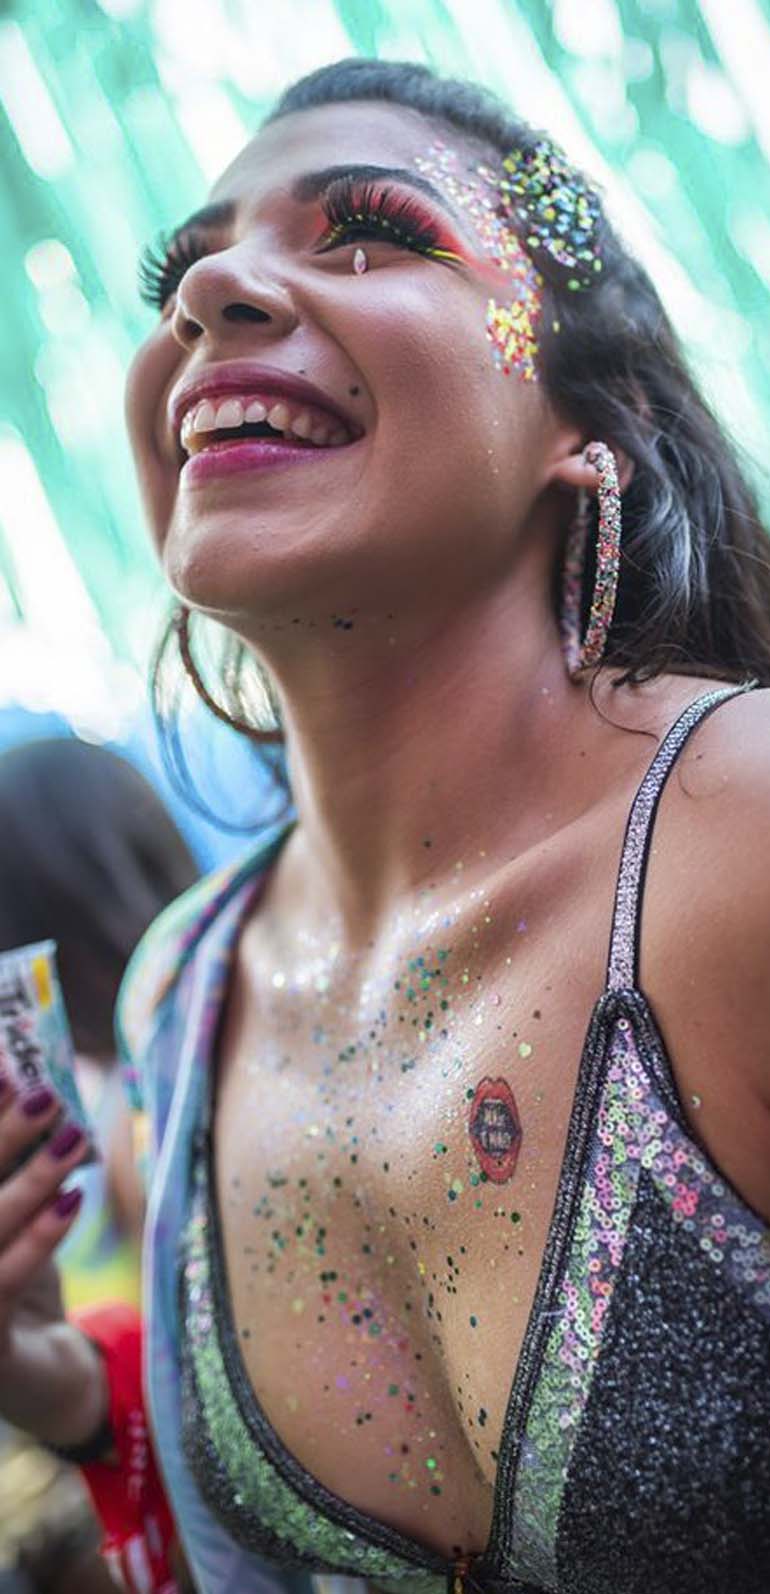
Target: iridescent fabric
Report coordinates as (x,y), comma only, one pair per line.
(270,1503)
(638,1158)
(635,1456)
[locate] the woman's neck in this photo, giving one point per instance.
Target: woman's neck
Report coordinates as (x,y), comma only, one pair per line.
(447,745)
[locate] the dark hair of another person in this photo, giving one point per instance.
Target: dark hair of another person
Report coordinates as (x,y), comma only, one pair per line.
(88,858)
(694,590)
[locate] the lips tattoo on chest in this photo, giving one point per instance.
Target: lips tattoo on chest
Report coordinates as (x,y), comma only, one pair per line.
(495,1129)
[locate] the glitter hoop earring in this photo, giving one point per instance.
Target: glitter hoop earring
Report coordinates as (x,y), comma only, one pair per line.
(181,623)
(586,654)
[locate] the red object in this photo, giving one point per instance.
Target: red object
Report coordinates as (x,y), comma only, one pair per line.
(127,1492)
(495,1129)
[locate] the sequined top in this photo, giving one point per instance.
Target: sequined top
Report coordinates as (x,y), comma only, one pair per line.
(635,1455)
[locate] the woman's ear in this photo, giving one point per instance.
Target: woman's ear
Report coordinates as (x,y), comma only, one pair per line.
(572,470)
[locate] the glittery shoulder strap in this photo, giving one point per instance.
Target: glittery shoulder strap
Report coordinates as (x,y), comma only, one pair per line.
(623,967)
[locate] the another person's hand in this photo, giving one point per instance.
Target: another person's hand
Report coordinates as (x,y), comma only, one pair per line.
(35,1213)
(51,1382)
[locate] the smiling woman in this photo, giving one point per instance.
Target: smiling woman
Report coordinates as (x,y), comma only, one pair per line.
(457,1262)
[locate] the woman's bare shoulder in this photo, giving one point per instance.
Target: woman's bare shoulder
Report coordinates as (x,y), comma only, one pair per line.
(706,936)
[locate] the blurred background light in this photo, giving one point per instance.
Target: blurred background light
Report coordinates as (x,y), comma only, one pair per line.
(30,109)
(49,586)
(120,9)
(593,29)
(211,125)
(741,35)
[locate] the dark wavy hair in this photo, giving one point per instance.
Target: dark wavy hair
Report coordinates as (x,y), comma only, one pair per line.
(694,590)
(88,857)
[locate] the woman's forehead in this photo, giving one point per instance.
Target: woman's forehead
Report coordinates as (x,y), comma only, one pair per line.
(354,132)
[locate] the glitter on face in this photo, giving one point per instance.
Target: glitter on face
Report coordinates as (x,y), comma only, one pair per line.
(510,331)
(559,209)
(511,325)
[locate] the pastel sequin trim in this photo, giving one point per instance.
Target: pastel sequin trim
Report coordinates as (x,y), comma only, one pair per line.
(623,947)
(634,1130)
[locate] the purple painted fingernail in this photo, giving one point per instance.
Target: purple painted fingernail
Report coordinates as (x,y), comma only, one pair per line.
(65,1140)
(67,1203)
(38,1101)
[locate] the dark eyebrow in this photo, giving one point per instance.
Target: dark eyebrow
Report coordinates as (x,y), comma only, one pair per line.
(309,187)
(220,214)
(315,183)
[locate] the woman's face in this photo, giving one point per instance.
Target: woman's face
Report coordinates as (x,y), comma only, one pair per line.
(426,458)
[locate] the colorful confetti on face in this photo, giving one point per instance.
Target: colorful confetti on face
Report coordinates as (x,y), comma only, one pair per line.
(511,326)
(559,209)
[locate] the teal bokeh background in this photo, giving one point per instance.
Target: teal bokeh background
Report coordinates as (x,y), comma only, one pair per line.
(114,118)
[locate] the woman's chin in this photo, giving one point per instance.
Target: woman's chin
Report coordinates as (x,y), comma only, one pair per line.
(253,588)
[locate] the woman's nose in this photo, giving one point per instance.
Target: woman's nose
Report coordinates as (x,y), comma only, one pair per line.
(215,298)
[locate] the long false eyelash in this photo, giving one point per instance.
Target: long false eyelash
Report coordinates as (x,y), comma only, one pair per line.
(162,266)
(349,208)
(353,208)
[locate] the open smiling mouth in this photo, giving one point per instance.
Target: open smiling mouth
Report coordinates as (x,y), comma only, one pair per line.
(248,434)
(231,419)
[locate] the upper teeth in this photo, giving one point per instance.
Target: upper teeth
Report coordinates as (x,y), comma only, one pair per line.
(305,422)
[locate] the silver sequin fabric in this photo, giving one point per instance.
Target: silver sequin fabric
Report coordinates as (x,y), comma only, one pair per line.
(636,1131)
(624,944)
